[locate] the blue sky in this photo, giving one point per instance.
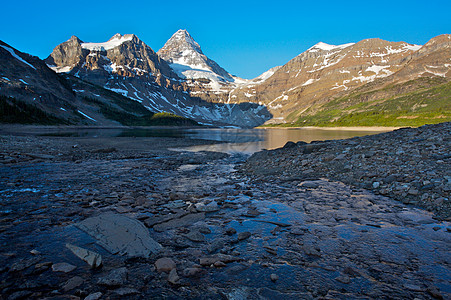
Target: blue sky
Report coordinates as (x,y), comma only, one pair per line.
(244,37)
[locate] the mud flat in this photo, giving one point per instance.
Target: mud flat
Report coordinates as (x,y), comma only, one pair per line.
(208,225)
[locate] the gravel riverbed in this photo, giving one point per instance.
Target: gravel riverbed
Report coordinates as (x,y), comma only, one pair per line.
(410,165)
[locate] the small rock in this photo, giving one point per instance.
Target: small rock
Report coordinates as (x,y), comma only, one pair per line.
(126,291)
(343,279)
(252,213)
(208,261)
(92,258)
(173,277)
(63,267)
(309,184)
(210,207)
(312,251)
(219,264)
(274,277)
(230,231)
(165,264)
(413,287)
(73,283)
(244,235)
(376,184)
(116,277)
(195,236)
(20,295)
(189,272)
(35,252)
(94,296)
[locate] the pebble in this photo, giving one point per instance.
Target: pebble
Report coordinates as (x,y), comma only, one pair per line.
(244,235)
(72,283)
(165,264)
(114,278)
(63,267)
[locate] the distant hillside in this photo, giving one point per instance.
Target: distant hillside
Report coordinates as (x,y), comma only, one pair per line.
(413,103)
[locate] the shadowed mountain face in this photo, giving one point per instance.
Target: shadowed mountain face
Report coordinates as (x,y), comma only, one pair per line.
(126,65)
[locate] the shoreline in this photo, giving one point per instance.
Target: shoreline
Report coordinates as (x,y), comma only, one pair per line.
(353,128)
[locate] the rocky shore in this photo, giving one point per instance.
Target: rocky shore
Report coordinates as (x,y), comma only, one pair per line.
(126,218)
(410,165)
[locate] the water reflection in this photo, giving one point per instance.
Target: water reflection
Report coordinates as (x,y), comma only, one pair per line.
(249,141)
(236,140)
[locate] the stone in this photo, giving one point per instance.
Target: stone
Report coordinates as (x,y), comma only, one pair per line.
(195,236)
(115,278)
(63,267)
(173,277)
(210,207)
(219,264)
(244,235)
(190,272)
(230,231)
(121,235)
(126,291)
(19,295)
(208,261)
(376,184)
(343,279)
(94,296)
(72,283)
(186,220)
(92,258)
(274,277)
(165,264)
(309,184)
(312,251)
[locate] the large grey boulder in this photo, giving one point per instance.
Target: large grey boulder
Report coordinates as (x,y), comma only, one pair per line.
(120,235)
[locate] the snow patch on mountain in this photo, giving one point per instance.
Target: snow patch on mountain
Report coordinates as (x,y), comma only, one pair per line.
(11,51)
(264,76)
(327,47)
(114,42)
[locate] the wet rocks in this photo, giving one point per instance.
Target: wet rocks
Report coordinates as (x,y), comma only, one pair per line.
(92,258)
(120,235)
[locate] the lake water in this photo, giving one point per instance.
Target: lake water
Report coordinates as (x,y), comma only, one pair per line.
(245,141)
(252,140)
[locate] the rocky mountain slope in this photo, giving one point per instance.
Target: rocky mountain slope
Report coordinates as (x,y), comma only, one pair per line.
(32,93)
(126,65)
(324,73)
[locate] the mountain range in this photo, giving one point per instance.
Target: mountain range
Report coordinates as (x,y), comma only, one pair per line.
(372,82)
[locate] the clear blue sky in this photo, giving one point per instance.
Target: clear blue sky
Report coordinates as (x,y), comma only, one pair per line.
(244,37)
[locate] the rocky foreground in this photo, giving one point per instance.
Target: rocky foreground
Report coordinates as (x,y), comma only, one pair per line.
(411,165)
(124,218)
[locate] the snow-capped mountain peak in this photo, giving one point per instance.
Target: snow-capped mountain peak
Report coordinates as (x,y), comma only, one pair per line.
(181,37)
(186,58)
